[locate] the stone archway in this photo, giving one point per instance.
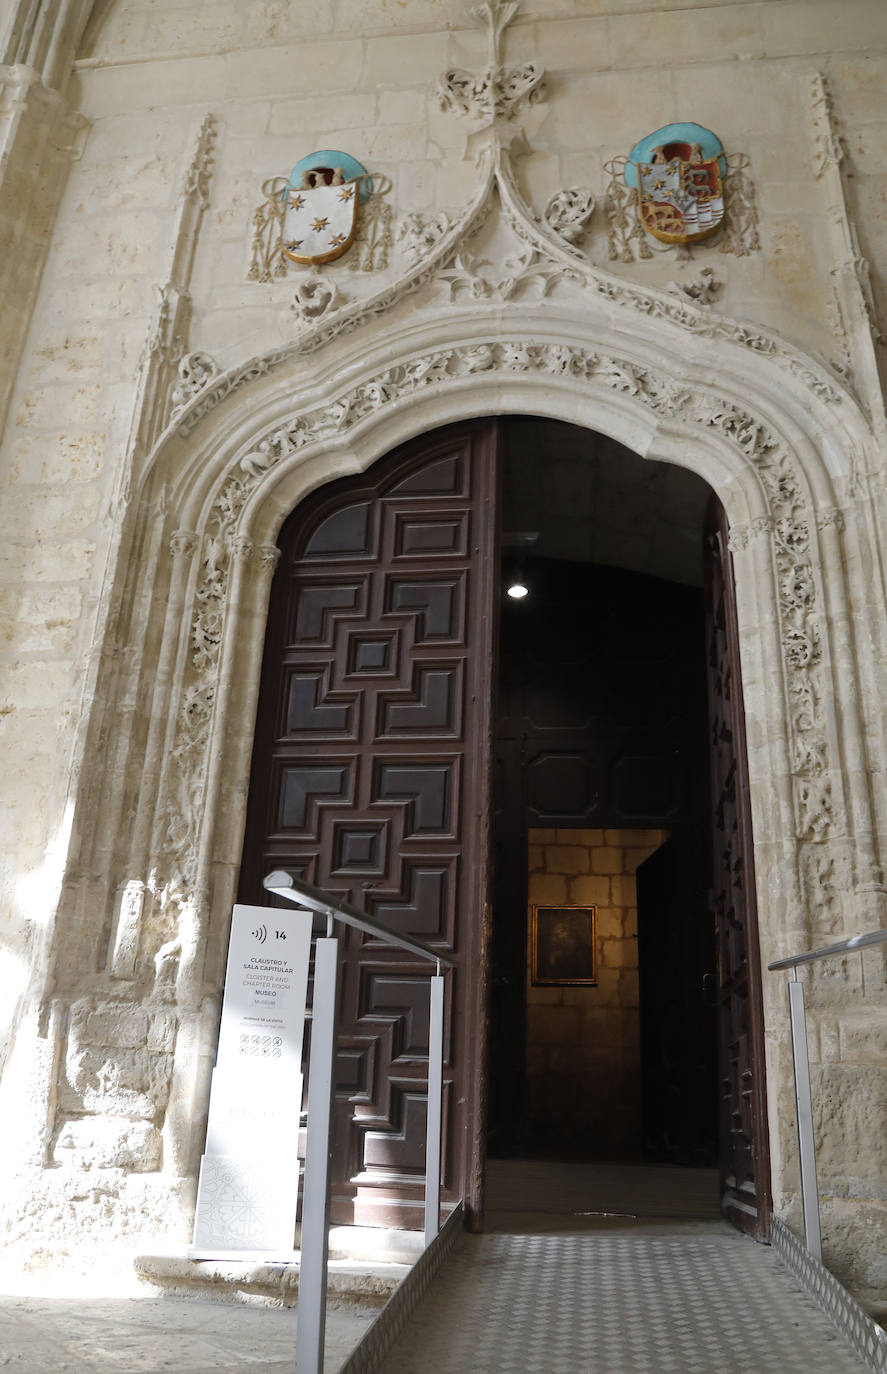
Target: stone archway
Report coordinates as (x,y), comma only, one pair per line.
(775,543)
(161,813)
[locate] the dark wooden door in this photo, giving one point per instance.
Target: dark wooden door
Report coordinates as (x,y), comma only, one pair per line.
(676,961)
(371,779)
(745,1157)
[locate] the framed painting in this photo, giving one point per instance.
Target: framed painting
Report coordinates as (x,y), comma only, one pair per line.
(562,945)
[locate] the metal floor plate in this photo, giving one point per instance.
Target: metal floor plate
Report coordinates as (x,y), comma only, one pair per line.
(559,1292)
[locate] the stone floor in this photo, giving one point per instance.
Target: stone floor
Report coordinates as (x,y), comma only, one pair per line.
(584,1269)
(154,1334)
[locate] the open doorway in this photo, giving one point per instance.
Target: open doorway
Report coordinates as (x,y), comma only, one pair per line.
(370,777)
(602,810)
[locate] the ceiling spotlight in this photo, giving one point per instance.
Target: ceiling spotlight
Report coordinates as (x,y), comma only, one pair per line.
(517,589)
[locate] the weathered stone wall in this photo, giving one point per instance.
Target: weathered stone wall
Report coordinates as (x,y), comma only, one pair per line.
(129,666)
(583,1043)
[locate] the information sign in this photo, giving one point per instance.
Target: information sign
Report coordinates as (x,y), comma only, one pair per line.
(249,1174)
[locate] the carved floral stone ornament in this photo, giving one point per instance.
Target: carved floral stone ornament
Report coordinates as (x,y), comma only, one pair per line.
(497,92)
(195,371)
(678,173)
(315,296)
(568,212)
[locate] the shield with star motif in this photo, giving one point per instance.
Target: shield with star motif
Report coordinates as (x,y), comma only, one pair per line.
(320,223)
(680,195)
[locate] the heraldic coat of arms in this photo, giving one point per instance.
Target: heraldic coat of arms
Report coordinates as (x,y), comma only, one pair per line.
(321,207)
(678,174)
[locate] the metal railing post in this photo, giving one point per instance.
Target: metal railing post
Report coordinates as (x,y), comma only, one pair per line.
(321,1084)
(311,1324)
(801,1064)
(804,1107)
(435,1109)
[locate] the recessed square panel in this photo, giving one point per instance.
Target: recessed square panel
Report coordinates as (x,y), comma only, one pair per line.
(316,606)
(312,708)
(432,705)
(427,910)
(430,536)
(302,786)
(371,655)
(426,791)
(358,848)
(438,605)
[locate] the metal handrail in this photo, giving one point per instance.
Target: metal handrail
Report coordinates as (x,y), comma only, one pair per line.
(874,937)
(801,1066)
(327,904)
(310,1328)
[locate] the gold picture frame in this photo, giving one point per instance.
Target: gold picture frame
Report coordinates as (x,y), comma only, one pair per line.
(563,946)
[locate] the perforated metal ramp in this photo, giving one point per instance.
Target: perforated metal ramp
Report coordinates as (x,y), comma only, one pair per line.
(551,1288)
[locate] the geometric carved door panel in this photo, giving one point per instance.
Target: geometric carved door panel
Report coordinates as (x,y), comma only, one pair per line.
(370,778)
(744,1144)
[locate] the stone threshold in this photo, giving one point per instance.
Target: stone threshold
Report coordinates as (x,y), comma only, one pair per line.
(365,1267)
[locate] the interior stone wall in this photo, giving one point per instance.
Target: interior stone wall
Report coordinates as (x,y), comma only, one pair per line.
(583,1043)
(762,372)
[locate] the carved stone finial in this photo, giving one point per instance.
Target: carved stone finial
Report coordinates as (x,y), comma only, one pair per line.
(199,174)
(498,92)
(827,149)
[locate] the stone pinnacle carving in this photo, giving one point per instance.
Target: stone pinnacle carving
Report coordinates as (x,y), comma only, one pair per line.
(497,92)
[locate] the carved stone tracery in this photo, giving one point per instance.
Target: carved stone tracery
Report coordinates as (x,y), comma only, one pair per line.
(439,248)
(669,396)
(542,264)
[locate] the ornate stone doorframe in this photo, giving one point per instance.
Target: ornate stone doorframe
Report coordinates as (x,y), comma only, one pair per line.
(167,750)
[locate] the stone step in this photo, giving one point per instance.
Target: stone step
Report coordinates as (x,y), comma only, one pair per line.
(359,1283)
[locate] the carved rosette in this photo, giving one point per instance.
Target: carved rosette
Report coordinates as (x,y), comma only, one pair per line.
(568,212)
(195,371)
(419,233)
(315,296)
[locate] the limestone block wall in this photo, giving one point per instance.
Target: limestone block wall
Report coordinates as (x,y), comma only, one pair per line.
(190,111)
(365,84)
(583,1043)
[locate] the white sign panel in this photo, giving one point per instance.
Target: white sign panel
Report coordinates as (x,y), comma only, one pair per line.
(249,1175)
(266,984)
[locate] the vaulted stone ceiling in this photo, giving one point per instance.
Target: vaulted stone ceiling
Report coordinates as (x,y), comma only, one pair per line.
(592,500)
